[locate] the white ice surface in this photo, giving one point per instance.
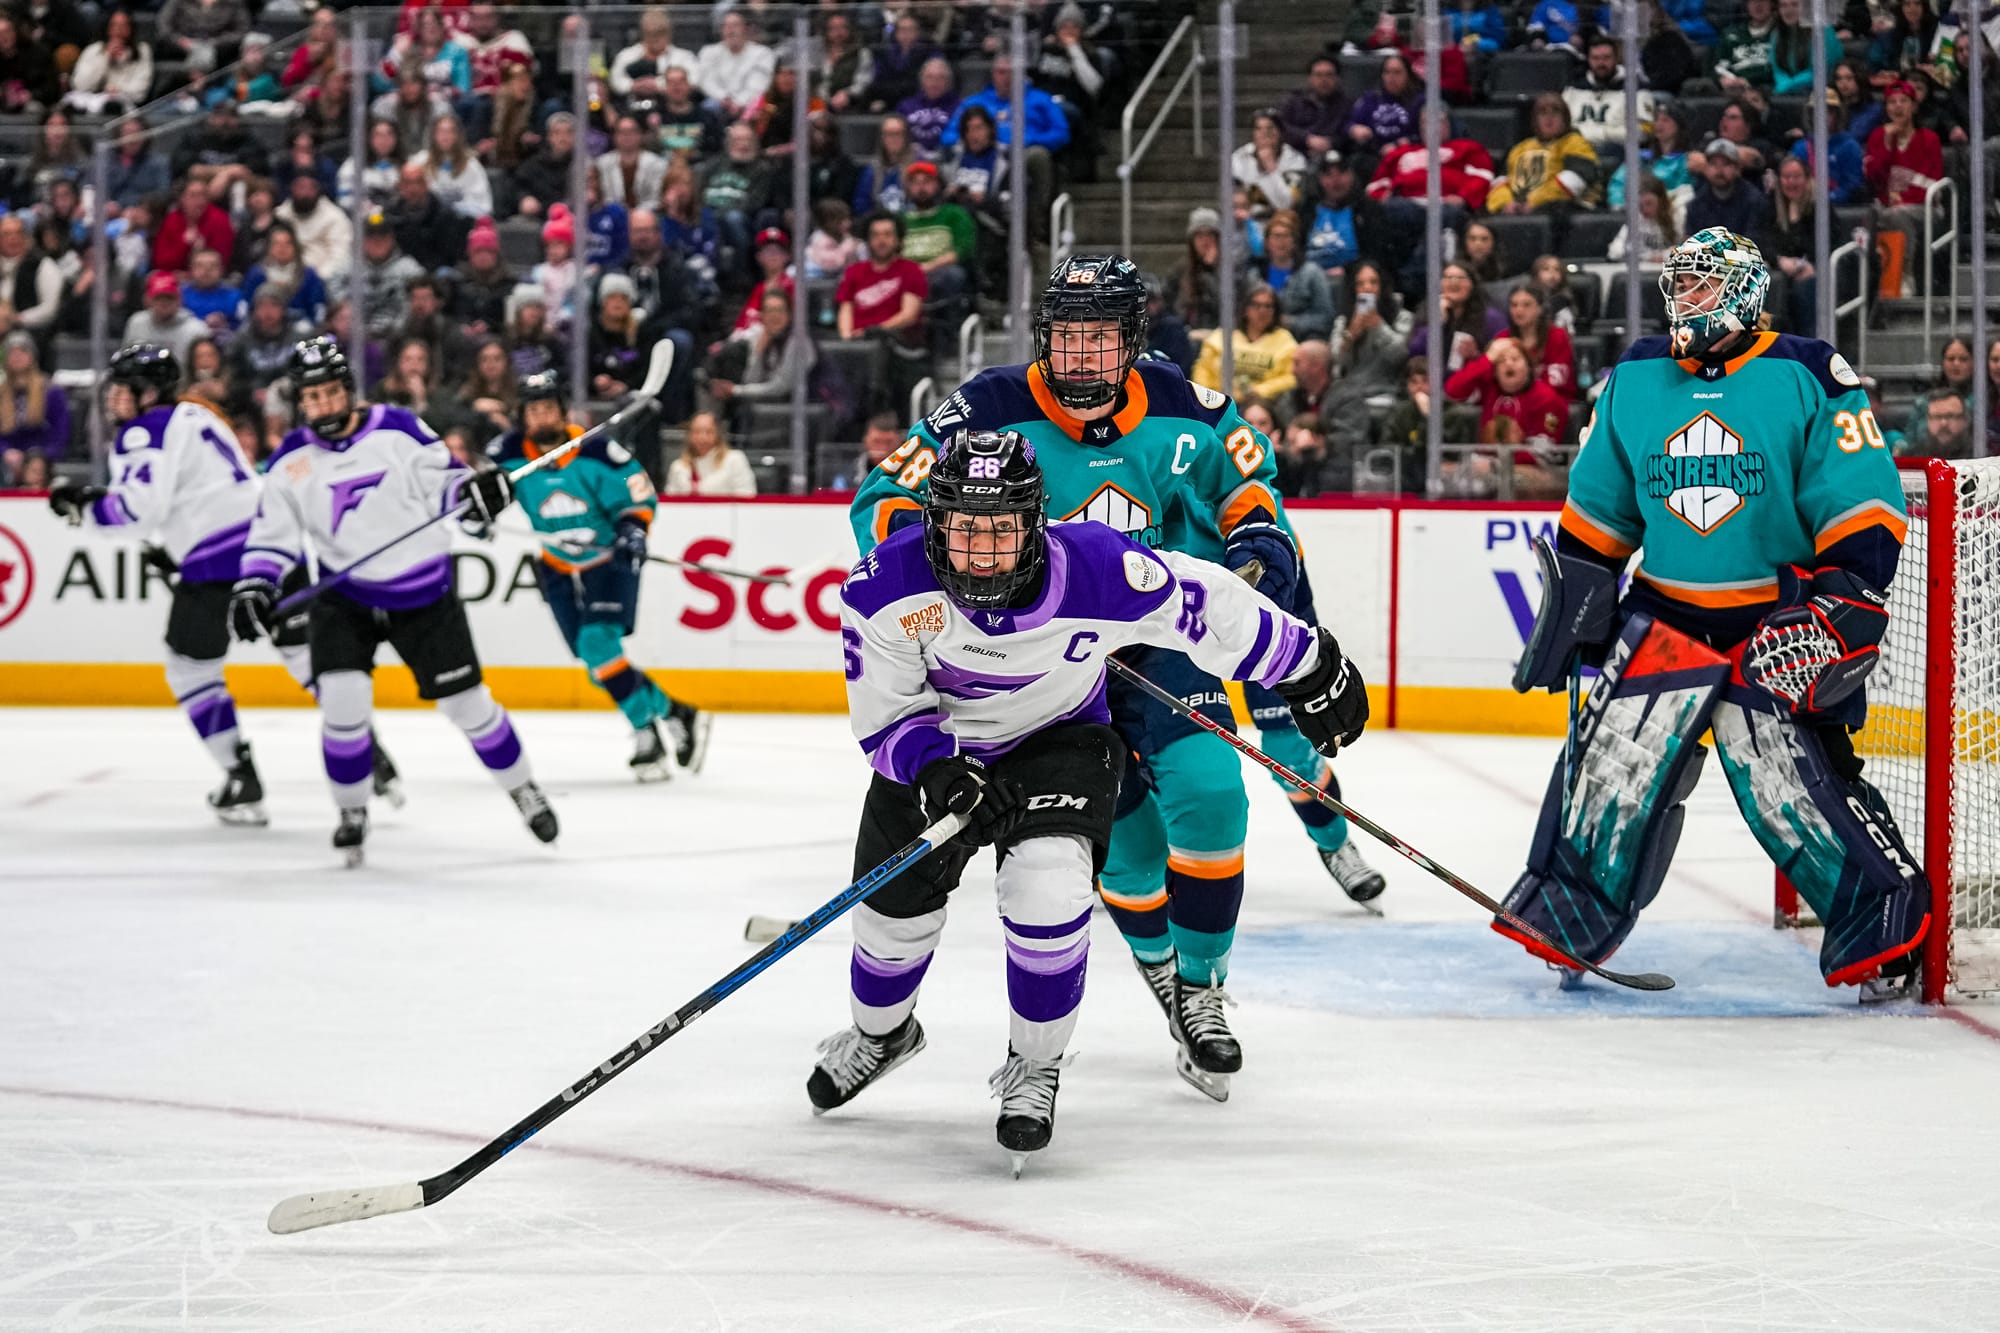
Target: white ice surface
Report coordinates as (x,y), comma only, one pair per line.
(196,1022)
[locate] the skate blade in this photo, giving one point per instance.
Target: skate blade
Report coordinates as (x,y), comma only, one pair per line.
(819,1111)
(351,858)
(660,772)
(1367,905)
(1885,990)
(242,816)
(1018,1161)
(702,726)
(1567,978)
(393,793)
(1213,1086)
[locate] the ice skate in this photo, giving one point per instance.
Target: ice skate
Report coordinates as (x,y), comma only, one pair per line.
(688,729)
(850,1060)
(1209,1053)
(1361,882)
(388,783)
(240,798)
(1027,1092)
(649,755)
(1159,979)
(350,835)
(535,811)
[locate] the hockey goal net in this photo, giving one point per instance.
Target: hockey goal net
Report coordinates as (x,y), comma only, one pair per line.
(1932,743)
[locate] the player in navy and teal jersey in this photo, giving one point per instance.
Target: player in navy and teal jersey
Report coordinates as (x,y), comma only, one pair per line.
(594,508)
(1748,471)
(1132,444)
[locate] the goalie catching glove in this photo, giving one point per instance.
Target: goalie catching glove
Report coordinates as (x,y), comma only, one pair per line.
(962,785)
(1818,647)
(1330,702)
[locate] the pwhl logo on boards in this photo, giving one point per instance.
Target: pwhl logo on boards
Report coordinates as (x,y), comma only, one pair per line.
(17,577)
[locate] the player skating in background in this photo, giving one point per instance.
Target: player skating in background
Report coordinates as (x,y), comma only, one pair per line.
(1172,465)
(593,508)
(975,645)
(179,482)
(344,484)
(1750,470)
(292,638)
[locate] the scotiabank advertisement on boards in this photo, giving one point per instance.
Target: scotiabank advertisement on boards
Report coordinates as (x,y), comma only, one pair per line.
(1431,602)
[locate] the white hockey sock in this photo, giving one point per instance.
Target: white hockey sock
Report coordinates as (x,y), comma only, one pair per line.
(199,690)
(346,706)
(891,955)
(479,715)
(1044,888)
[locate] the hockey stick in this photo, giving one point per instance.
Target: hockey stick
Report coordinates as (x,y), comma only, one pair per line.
(302,1212)
(1637,981)
(656,380)
(722,570)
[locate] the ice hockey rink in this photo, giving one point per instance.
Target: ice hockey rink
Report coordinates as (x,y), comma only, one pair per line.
(200,1021)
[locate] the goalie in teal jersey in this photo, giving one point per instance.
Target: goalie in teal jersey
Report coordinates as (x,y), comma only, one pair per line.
(1749,468)
(1132,444)
(593,509)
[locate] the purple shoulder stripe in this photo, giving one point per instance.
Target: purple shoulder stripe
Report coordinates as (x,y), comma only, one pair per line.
(892,571)
(1102,565)
(386,417)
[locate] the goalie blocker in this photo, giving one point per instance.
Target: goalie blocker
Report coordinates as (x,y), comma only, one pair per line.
(1603,846)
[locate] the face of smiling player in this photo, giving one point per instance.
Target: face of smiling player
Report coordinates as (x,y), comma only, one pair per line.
(1084,350)
(322,402)
(984,545)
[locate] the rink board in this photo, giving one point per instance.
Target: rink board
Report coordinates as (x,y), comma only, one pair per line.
(1432,601)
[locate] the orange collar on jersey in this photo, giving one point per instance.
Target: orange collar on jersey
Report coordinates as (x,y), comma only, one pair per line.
(531,451)
(1127,418)
(1758,346)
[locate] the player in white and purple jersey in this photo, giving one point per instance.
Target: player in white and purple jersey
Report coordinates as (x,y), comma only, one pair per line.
(350,480)
(975,647)
(180,484)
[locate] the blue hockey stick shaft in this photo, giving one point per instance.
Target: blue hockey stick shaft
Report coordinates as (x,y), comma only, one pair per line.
(302,1212)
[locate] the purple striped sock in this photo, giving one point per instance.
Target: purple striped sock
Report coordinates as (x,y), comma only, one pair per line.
(884,983)
(1045,985)
(350,759)
(499,748)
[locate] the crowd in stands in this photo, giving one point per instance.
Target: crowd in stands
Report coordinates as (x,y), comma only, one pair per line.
(230,231)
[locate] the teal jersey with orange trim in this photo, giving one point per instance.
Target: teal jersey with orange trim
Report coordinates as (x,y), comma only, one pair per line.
(578,502)
(1720,472)
(1176,467)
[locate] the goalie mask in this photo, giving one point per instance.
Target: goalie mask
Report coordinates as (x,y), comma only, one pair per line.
(1090,328)
(985,531)
(1714,282)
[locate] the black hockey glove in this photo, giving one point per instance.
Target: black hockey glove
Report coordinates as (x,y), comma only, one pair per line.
(1329,703)
(157,559)
(1267,545)
(253,606)
(963,785)
(1820,644)
(488,491)
(68,501)
(630,543)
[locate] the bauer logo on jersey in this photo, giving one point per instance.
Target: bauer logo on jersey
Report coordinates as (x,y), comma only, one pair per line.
(1703,474)
(1115,509)
(1142,573)
(924,620)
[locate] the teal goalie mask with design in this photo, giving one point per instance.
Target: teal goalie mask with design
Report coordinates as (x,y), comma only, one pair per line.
(1714,282)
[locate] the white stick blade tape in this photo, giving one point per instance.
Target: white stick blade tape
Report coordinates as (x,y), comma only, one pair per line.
(303,1212)
(764,929)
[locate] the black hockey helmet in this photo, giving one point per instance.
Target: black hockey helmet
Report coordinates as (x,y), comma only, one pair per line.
(144,366)
(320,360)
(1097,288)
(991,474)
(544,386)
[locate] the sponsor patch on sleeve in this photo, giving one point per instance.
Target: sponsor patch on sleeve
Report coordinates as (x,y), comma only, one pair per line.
(1207,397)
(1143,572)
(1842,372)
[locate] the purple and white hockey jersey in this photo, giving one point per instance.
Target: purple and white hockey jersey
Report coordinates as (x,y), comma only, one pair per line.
(927,678)
(179,481)
(345,498)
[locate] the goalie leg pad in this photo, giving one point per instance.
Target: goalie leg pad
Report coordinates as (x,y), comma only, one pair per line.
(1830,833)
(1602,847)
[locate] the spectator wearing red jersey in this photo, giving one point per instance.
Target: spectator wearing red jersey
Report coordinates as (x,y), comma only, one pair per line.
(1551,358)
(881,298)
(1465,174)
(192,224)
(1902,161)
(1514,406)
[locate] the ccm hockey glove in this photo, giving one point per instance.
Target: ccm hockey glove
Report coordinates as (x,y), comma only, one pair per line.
(1329,703)
(963,785)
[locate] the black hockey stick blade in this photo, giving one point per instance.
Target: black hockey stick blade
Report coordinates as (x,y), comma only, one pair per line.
(303,1212)
(1635,980)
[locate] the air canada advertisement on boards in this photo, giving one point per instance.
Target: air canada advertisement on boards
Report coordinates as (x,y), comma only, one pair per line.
(1459,585)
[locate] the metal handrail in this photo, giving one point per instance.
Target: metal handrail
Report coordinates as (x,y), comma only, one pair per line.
(1932,243)
(1859,303)
(920,397)
(1062,228)
(971,347)
(1130,157)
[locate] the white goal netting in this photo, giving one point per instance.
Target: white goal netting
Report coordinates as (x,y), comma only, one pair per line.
(1933,737)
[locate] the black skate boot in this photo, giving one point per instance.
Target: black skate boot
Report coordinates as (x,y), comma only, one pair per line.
(240,798)
(1159,980)
(1027,1092)
(688,729)
(649,755)
(388,783)
(1209,1053)
(1361,882)
(850,1060)
(534,808)
(348,837)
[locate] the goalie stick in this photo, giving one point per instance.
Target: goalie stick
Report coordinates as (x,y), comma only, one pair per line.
(656,380)
(1637,981)
(302,1212)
